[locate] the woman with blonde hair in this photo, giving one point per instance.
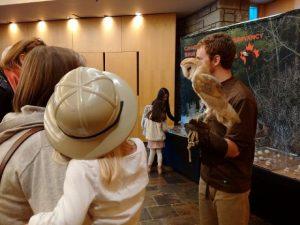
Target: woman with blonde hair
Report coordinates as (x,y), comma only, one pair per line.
(11,63)
(32,176)
(89,116)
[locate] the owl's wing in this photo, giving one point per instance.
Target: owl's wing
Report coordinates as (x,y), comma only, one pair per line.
(209,90)
(215,103)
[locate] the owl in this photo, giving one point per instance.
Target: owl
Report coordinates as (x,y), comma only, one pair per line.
(208,88)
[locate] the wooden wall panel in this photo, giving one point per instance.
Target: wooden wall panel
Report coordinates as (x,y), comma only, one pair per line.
(94,35)
(124,64)
(53,33)
(154,38)
(10,36)
(93,59)
(279,6)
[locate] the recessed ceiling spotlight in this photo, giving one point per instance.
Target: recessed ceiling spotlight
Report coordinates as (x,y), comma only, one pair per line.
(73,24)
(41,25)
(108,22)
(13,27)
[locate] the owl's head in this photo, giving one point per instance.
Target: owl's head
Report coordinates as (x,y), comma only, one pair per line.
(192,66)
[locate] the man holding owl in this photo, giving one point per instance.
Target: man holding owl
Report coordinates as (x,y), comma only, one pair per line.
(226,135)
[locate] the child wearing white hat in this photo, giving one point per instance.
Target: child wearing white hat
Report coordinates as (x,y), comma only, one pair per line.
(89,116)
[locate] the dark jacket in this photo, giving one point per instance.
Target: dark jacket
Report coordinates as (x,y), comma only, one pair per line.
(6,95)
(233,175)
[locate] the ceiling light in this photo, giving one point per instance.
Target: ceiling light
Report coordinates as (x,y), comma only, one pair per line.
(108,21)
(138,21)
(138,14)
(73,24)
(41,25)
(13,27)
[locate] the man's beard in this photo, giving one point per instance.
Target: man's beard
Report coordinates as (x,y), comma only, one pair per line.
(211,68)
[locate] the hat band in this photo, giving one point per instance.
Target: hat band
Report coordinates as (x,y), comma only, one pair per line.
(103,131)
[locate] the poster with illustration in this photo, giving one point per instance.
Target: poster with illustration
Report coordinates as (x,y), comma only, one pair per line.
(268,62)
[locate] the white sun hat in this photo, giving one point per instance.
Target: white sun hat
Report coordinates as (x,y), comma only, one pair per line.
(90,113)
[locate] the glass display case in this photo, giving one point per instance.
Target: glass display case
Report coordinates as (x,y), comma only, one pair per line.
(277,161)
(283,163)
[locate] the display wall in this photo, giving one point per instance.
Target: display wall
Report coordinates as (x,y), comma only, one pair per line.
(267,60)
(139,49)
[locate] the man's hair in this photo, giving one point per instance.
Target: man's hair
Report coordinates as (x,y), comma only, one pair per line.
(219,44)
(43,67)
(12,57)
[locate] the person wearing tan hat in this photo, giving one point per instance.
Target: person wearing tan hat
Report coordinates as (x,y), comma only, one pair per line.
(90,116)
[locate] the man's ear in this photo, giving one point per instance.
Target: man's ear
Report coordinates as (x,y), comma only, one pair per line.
(216,60)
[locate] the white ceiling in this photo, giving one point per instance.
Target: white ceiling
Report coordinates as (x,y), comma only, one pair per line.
(15,2)
(33,10)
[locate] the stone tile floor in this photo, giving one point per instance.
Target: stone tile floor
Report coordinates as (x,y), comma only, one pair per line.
(171,199)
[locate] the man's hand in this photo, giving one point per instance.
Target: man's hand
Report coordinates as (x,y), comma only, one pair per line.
(200,127)
(207,139)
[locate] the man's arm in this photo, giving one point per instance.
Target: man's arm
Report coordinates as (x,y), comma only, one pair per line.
(242,134)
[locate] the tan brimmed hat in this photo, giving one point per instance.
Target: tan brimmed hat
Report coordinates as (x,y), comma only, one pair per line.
(90,113)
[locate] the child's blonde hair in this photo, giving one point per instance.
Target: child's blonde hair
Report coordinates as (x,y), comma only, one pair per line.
(110,163)
(110,166)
